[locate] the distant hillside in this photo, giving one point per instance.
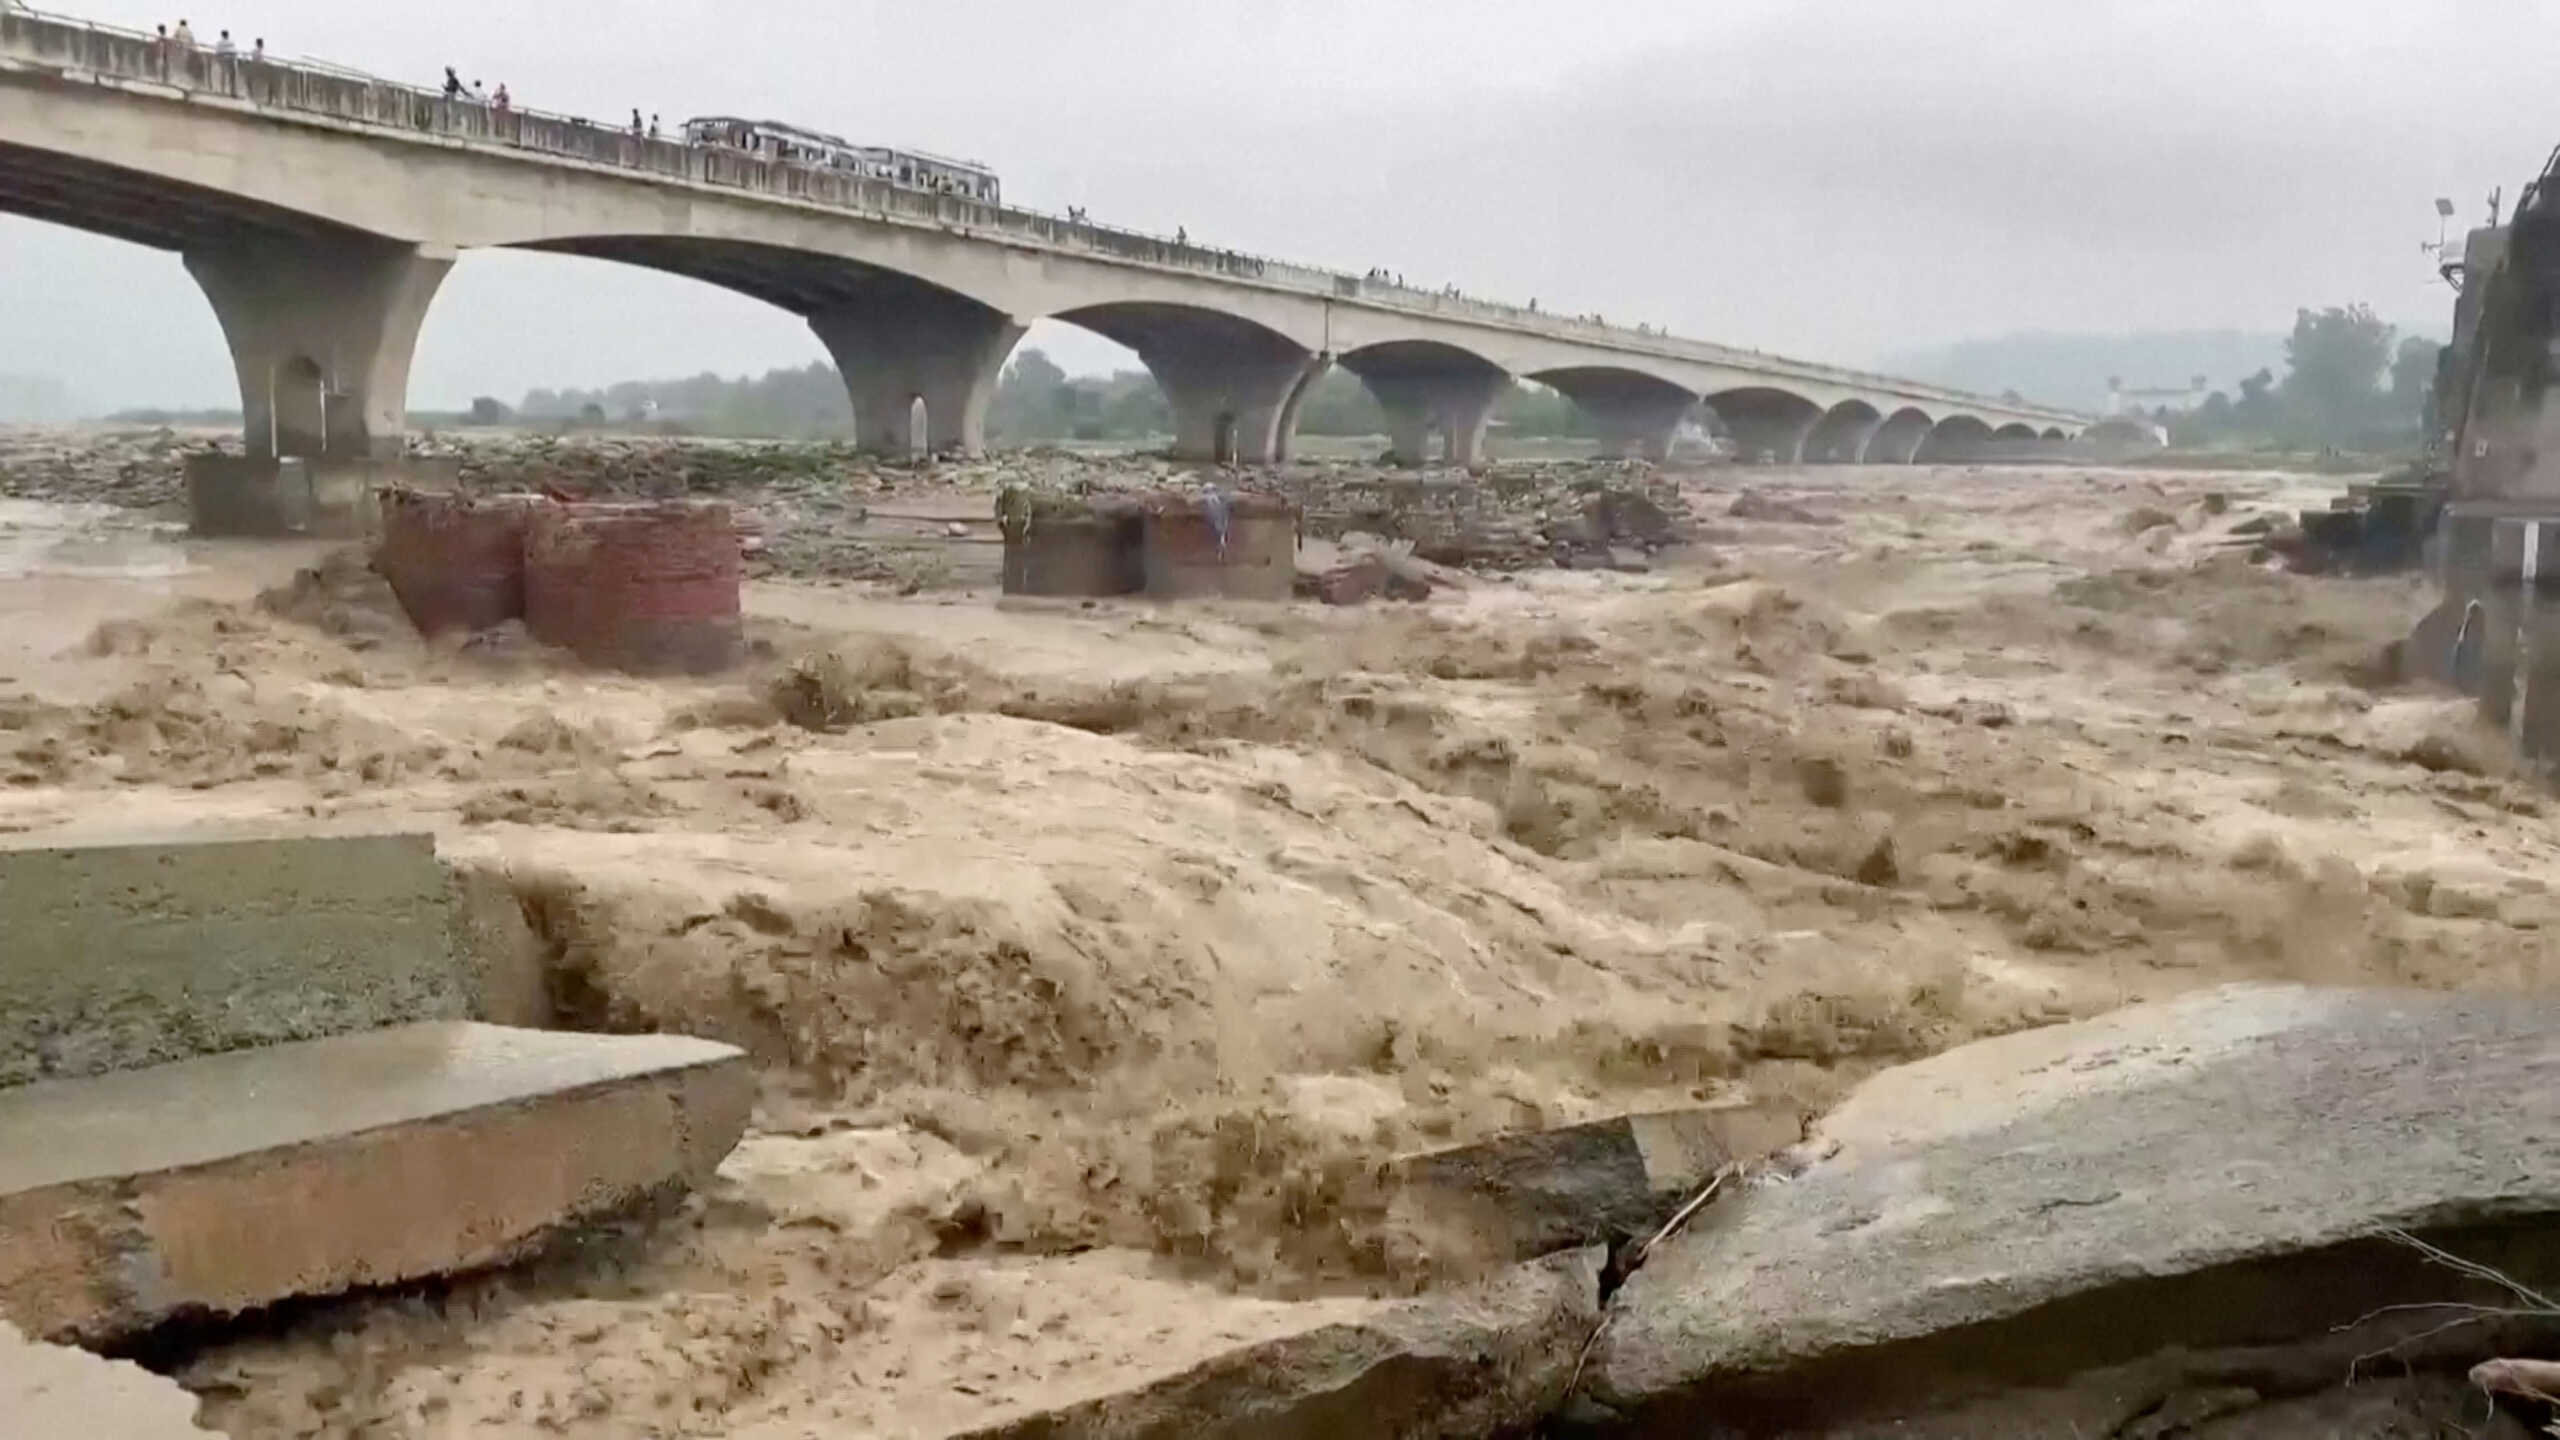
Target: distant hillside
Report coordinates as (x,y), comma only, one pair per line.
(2072,370)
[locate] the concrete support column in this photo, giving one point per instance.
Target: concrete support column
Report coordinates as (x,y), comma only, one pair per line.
(321,333)
(896,350)
(1284,444)
(1232,395)
(1456,402)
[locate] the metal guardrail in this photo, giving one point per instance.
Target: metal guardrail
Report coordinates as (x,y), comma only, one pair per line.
(353,97)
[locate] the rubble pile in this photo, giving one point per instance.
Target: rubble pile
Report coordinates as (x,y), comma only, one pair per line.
(1578,514)
(139,469)
(822,510)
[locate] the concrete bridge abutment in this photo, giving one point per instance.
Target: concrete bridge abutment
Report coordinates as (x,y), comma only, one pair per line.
(946,352)
(321,334)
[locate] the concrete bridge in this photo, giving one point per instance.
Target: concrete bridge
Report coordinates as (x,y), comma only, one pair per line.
(319,209)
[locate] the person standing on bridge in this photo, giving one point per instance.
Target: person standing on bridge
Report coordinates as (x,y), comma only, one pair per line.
(452,84)
(185,38)
(223,48)
(258,51)
(502,100)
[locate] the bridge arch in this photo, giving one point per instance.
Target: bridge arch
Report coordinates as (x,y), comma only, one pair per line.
(1635,412)
(1766,423)
(1955,440)
(910,350)
(2015,430)
(1234,384)
(2054,432)
(1897,440)
(1840,437)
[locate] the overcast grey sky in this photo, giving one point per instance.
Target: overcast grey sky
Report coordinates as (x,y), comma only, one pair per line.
(1829,180)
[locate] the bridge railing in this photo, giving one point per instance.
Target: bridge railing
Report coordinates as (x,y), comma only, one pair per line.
(335,93)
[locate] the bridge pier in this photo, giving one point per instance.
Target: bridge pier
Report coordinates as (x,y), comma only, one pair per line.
(1284,444)
(1230,401)
(895,351)
(321,334)
(1456,402)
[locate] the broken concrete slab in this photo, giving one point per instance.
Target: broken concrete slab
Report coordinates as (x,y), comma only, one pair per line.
(1533,1192)
(1409,576)
(48,1390)
(232,1181)
(2204,1173)
(137,954)
(1486,1360)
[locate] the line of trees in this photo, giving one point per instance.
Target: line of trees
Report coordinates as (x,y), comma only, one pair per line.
(797,402)
(2351,382)
(1036,402)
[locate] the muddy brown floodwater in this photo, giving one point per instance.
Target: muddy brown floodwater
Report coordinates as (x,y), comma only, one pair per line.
(1097,960)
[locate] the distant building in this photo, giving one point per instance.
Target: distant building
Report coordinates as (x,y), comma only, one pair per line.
(2153,400)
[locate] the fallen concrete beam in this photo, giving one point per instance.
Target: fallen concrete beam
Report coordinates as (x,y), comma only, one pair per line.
(228,1182)
(1534,1192)
(48,1390)
(1487,1360)
(2202,1174)
(130,955)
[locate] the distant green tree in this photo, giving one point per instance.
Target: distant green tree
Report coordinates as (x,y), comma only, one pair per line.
(1339,404)
(2336,358)
(1539,411)
(1129,405)
(2207,424)
(490,410)
(2413,380)
(2255,411)
(1033,401)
